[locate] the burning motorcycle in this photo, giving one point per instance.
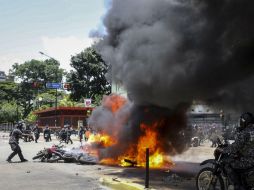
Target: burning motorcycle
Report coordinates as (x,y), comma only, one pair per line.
(215,176)
(52,154)
(57,153)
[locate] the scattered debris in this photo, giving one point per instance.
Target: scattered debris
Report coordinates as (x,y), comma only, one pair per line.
(115,179)
(173,179)
(133,163)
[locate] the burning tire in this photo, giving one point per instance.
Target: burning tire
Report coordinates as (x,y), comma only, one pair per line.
(206,180)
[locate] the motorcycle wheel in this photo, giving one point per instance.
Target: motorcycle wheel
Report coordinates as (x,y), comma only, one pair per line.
(38,156)
(204,178)
(54,158)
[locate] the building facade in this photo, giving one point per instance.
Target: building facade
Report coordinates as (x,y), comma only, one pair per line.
(56,118)
(2,76)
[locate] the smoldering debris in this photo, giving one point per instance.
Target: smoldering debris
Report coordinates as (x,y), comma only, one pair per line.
(173,179)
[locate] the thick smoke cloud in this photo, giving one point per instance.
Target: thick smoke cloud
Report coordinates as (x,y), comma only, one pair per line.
(165,52)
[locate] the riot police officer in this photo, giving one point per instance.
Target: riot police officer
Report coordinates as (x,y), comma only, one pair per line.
(81,133)
(36,132)
(47,134)
(69,133)
(15,135)
(243,147)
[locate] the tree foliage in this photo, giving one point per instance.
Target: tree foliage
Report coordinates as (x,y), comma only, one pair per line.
(9,112)
(30,72)
(88,78)
(66,101)
(38,71)
(8,91)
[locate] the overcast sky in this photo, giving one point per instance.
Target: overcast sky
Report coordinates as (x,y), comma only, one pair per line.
(59,28)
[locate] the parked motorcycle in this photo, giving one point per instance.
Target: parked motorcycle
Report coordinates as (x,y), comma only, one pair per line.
(215,177)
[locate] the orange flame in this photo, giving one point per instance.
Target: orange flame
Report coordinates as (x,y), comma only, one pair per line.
(103,140)
(114,102)
(136,154)
(157,158)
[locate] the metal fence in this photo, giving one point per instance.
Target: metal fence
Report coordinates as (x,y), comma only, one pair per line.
(6,126)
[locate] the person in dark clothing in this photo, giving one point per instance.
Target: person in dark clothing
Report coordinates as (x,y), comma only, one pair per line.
(81,133)
(50,135)
(63,135)
(69,132)
(36,132)
(28,132)
(243,147)
(15,135)
(47,134)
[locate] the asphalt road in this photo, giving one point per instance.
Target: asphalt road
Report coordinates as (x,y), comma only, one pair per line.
(65,176)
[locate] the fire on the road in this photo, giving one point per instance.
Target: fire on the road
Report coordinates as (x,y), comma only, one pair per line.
(135,155)
(131,152)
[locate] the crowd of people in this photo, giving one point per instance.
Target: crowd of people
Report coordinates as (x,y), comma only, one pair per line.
(33,133)
(211,132)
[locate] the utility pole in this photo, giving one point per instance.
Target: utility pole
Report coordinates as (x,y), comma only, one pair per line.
(56,87)
(56,101)
(17,109)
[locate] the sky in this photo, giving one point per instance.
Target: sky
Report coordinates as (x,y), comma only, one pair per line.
(58,28)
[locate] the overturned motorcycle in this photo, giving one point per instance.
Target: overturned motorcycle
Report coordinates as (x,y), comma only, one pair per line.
(58,153)
(214,177)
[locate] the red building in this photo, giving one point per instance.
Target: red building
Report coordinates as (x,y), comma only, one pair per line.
(57,118)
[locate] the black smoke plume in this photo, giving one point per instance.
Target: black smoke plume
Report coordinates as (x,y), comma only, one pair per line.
(169,51)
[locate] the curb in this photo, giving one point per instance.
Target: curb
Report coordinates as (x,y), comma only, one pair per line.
(116,184)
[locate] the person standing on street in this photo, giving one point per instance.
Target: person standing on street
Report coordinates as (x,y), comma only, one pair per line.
(36,132)
(69,132)
(81,133)
(46,134)
(15,135)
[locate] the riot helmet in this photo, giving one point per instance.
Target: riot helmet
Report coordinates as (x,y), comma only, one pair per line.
(19,126)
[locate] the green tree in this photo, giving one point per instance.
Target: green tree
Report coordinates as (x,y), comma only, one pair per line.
(46,99)
(30,72)
(66,101)
(38,71)
(88,78)
(9,112)
(8,91)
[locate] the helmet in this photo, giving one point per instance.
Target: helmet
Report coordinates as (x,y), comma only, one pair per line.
(19,126)
(246,119)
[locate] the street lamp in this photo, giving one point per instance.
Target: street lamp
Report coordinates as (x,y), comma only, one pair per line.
(56,81)
(40,100)
(47,56)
